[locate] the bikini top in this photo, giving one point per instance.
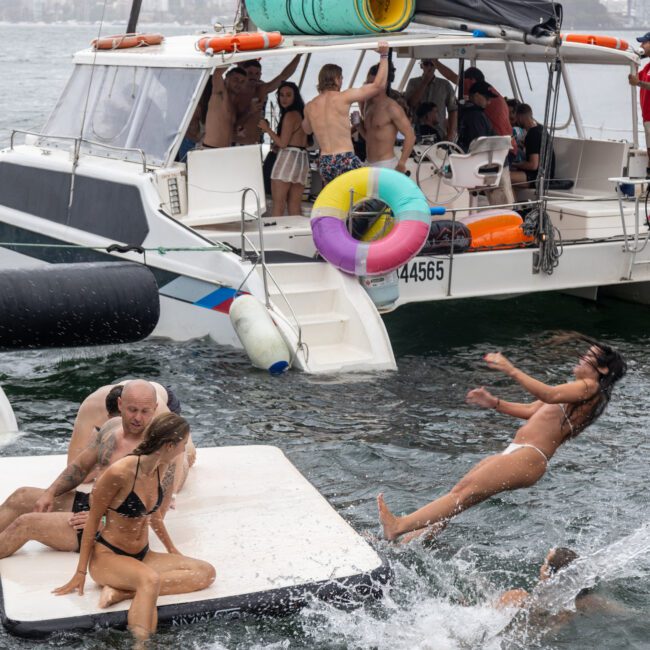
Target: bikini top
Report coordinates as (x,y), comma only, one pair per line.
(132,506)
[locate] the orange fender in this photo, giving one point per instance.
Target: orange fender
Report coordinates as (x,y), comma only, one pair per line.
(495,229)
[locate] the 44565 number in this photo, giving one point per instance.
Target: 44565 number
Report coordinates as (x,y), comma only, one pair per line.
(422,271)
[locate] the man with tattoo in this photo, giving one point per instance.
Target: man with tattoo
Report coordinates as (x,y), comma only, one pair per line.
(44,515)
(98,408)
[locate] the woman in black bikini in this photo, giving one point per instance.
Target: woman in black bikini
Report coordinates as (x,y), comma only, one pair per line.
(560,412)
(129,494)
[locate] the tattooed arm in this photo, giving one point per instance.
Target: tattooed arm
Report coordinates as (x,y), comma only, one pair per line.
(168,489)
(97,452)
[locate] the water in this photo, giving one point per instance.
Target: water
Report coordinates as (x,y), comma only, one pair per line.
(407,433)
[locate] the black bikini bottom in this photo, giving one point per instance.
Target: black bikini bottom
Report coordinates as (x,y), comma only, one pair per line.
(118,551)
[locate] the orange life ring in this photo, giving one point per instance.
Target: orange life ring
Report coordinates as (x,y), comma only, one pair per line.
(600,40)
(240,42)
(123,41)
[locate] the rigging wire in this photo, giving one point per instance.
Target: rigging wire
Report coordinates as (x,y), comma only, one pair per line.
(77,144)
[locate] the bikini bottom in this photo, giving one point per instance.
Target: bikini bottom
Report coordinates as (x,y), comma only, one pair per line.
(513,446)
(118,551)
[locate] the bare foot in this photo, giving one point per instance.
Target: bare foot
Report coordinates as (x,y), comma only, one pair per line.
(110,596)
(388,519)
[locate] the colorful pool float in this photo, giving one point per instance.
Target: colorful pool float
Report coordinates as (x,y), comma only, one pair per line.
(404,241)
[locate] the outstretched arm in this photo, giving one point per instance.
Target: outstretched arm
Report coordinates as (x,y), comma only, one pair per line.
(571,392)
(483,398)
(368,91)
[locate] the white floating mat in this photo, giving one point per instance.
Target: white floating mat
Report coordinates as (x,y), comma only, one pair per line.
(271,536)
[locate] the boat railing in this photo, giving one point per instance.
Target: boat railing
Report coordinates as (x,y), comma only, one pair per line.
(78,142)
(259,257)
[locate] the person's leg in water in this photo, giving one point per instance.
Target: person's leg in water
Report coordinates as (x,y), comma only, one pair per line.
(492,475)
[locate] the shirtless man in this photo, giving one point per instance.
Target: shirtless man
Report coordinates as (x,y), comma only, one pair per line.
(327,116)
(94,413)
(222,111)
(383,118)
(32,513)
(251,99)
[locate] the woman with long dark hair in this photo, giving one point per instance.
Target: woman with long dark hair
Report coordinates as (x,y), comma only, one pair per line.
(130,495)
(291,169)
(558,414)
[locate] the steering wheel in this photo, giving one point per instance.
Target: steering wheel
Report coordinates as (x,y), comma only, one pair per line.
(433,166)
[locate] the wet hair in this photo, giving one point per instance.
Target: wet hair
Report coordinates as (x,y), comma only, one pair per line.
(561,557)
(524,109)
(425,109)
(111,401)
(582,414)
(236,70)
(328,77)
(297,105)
(251,63)
(163,429)
(474,73)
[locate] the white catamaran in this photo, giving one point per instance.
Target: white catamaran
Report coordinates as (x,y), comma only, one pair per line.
(103,171)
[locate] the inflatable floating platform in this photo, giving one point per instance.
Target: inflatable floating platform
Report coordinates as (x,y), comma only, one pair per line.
(274,540)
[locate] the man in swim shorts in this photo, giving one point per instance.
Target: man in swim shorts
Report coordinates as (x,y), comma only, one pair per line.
(32,513)
(327,116)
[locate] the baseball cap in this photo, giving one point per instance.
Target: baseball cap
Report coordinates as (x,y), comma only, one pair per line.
(644,38)
(482,88)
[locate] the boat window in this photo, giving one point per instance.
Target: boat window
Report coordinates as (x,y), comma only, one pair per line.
(124,107)
(606,114)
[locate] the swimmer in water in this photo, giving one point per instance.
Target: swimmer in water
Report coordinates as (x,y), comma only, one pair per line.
(558,414)
(129,494)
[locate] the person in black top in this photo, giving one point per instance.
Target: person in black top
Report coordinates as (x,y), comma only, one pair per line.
(473,120)
(130,495)
(524,174)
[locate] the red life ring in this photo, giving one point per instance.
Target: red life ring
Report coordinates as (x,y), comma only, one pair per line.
(123,41)
(240,42)
(602,41)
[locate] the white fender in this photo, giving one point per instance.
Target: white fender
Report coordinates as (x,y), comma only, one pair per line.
(7,418)
(259,335)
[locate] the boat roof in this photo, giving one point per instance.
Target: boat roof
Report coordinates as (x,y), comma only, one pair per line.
(182,52)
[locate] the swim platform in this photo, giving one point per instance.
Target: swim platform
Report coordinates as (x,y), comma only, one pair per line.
(273,538)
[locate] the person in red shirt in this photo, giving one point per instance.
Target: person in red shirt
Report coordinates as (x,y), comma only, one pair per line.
(642,80)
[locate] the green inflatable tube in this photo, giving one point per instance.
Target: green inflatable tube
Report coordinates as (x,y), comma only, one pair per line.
(331,16)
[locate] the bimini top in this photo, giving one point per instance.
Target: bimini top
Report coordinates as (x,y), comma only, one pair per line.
(181,51)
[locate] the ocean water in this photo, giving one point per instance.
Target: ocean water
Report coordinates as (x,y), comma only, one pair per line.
(407,433)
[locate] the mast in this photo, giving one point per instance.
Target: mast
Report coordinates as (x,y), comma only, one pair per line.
(133,17)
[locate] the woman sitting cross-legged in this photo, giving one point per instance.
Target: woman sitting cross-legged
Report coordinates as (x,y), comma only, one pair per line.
(129,494)
(560,413)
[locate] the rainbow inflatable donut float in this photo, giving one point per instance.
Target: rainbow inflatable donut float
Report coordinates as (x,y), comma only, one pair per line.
(410,209)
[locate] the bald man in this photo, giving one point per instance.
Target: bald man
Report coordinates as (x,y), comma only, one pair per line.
(43,515)
(94,413)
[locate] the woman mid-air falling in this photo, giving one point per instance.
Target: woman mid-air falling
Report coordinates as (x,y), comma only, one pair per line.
(560,412)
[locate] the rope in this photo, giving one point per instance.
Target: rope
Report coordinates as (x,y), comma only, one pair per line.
(538,222)
(162,250)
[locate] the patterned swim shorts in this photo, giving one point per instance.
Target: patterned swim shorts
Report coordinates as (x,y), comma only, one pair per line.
(331,166)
